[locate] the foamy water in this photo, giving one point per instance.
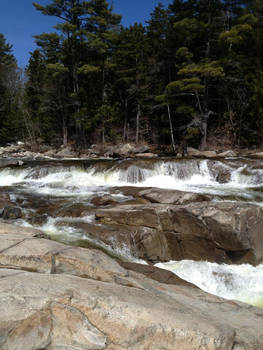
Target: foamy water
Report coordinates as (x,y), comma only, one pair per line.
(240,282)
(194,176)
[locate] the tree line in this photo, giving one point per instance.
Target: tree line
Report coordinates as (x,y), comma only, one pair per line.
(192,73)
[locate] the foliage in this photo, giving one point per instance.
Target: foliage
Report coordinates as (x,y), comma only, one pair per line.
(195,66)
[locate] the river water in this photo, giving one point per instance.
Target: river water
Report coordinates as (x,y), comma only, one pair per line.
(52,193)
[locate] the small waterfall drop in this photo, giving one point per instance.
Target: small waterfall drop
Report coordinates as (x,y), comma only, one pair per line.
(239,282)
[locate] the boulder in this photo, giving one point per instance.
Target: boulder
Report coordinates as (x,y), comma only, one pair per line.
(146,155)
(220,171)
(142,149)
(157,195)
(121,150)
(104,200)
(9,162)
(257,155)
(65,153)
(5,201)
(228,153)
(192,152)
(208,154)
(214,231)
(11,212)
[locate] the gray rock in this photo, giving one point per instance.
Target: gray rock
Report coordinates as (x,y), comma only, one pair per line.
(214,231)
(228,153)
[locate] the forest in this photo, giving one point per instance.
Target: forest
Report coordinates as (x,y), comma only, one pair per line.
(192,74)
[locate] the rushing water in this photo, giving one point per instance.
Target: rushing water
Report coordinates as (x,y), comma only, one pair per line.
(54,191)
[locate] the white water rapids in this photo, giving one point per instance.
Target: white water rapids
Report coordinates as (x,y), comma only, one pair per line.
(240,179)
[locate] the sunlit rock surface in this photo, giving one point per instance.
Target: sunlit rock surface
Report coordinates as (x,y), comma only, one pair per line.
(82,299)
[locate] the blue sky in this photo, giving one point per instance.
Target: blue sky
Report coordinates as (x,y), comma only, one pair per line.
(19,21)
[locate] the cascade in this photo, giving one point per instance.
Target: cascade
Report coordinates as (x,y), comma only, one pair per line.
(78,182)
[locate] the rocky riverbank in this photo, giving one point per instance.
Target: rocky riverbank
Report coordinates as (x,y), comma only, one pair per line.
(126,150)
(54,296)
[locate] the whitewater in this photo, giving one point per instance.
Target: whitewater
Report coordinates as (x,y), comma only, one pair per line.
(80,182)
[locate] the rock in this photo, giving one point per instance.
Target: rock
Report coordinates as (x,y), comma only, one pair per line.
(75,210)
(7,229)
(65,153)
(157,274)
(257,155)
(82,299)
(220,171)
(50,153)
(213,231)
(208,154)
(228,153)
(11,212)
(192,152)
(104,200)
(146,155)
(95,150)
(9,162)
(5,201)
(157,195)
(142,149)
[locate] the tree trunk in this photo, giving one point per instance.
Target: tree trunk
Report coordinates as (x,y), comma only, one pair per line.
(138,123)
(103,138)
(65,134)
(125,120)
(171,127)
(203,142)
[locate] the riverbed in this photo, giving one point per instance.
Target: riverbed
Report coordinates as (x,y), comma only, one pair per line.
(57,196)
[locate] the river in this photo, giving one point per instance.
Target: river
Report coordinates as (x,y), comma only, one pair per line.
(52,193)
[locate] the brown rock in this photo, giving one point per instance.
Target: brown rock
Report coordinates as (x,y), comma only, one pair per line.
(146,155)
(104,200)
(157,274)
(213,231)
(68,312)
(162,196)
(228,153)
(106,306)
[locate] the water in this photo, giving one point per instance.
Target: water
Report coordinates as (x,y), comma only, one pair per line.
(57,198)
(239,282)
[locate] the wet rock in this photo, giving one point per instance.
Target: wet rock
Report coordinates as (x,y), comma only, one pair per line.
(104,200)
(9,162)
(220,171)
(213,231)
(5,201)
(73,210)
(11,213)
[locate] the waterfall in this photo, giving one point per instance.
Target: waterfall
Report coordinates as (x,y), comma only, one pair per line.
(239,282)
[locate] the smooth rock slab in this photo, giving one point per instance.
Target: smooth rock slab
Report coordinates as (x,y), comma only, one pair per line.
(74,313)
